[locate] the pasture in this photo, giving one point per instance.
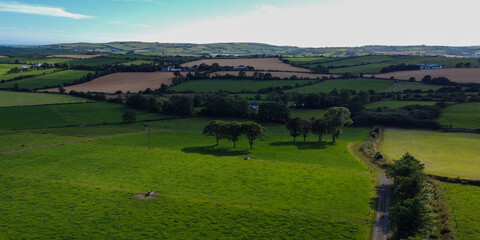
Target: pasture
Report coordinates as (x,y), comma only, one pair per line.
(263,64)
(455,155)
(4,68)
(459,75)
(74,56)
(133,82)
(397,104)
(363,84)
(25,74)
(22,99)
(214,85)
(49,80)
(463,204)
(404,85)
(204,192)
(281,75)
(307,114)
(33,60)
(66,114)
(465,115)
(98,61)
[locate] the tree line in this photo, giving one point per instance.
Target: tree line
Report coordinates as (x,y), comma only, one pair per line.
(234,130)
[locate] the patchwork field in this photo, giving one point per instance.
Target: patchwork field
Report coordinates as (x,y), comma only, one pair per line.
(4,68)
(307,114)
(66,114)
(29,73)
(397,104)
(286,190)
(133,82)
(465,115)
(214,85)
(364,84)
(98,61)
(22,98)
(48,80)
(25,60)
(281,75)
(73,56)
(460,75)
(264,64)
(463,204)
(444,154)
(404,85)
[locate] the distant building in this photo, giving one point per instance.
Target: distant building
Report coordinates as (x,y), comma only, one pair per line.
(173,69)
(430,66)
(24,66)
(240,67)
(254,106)
(37,65)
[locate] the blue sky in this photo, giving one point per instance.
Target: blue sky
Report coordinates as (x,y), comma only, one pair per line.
(312,23)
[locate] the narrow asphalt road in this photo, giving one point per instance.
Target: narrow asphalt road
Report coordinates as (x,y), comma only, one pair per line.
(382,222)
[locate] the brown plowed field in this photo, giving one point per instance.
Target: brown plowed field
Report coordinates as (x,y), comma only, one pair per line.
(264,64)
(460,75)
(3,57)
(276,74)
(133,82)
(74,56)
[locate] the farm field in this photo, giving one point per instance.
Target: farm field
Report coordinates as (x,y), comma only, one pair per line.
(48,80)
(307,114)
(463,204)
(404,85)
(29,73)
(265,64)
(465,115)
(137,62)
(453,155)
(214,85)
(397,104)
(285,190)
(460,75)
(4,68)
(133,82)
(66,114)
(364,84)
(19,139)
(22,98)
(281,75)
(73,56)
(98,61)
(23,60)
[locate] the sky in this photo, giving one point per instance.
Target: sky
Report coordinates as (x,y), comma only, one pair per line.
(303,23)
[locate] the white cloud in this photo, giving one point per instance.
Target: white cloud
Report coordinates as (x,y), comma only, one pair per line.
(39,10)
(340,23)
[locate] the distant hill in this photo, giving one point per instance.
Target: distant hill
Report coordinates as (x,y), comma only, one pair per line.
(239,49)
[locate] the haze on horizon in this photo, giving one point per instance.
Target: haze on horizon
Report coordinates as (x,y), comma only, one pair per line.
(311,23)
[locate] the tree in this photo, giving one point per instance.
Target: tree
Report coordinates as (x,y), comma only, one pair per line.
(215,128)
(273,112)
(233,131)
(319,127)
(305,128)
(241,74)
(252,131)
(61,90)
(294,127)
(408,176)
(337,118)
(129,116)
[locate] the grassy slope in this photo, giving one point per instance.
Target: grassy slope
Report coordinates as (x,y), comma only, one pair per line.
(4,68)
(29,73)
(233,85)
(466,115)
(307,114)
(397,104)
(189,176)
(444,154)
(34,60)
(49,80)
(463,204)
(61,115)
(402,85)
(22,98)
(354,84)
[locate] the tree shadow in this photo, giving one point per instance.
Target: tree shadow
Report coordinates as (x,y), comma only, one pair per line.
(304,145)
(215,151)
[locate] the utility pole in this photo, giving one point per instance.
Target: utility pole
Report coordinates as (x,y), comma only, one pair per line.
(149,130)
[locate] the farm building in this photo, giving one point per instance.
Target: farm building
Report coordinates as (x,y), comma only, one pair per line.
(254,106)
(240,67)
(430,66)
(37,65)
(24,66)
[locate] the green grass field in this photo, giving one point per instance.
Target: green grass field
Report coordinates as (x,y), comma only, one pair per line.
(364,84)
(66,114)
(287,190)
(465,115)
(137,62)
(29,73)
(4,68)
(397,104)
(22,98)
(23,60)
(444,154)
(307,114)
(402,85)
(98,61)
(49,80)
(214,85)
(463,204)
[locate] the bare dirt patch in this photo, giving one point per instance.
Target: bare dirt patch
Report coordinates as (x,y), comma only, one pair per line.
(133,82)
(460,75)
(3,57)
(142,196)
(264,64)
(281,75)
(73,56)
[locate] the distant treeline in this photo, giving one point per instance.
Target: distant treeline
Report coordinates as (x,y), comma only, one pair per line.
(400,67)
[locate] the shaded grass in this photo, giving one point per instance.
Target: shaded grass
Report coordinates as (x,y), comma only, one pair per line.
(29,73)
(23,98)
(403,85)
(444,154)
(4,68)
(364,84)
(307,114)
(67,114)
(214,85)
(397,104)
(465,115)
(463,204)
(49,80)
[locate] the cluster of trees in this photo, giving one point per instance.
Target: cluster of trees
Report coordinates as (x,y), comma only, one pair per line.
(180,105)
(215,67)
(463,65)
(221,105)
(411,212)
(138,101)
(331,123)
(234,130)
(273,112)
(437,80)
(400,67)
